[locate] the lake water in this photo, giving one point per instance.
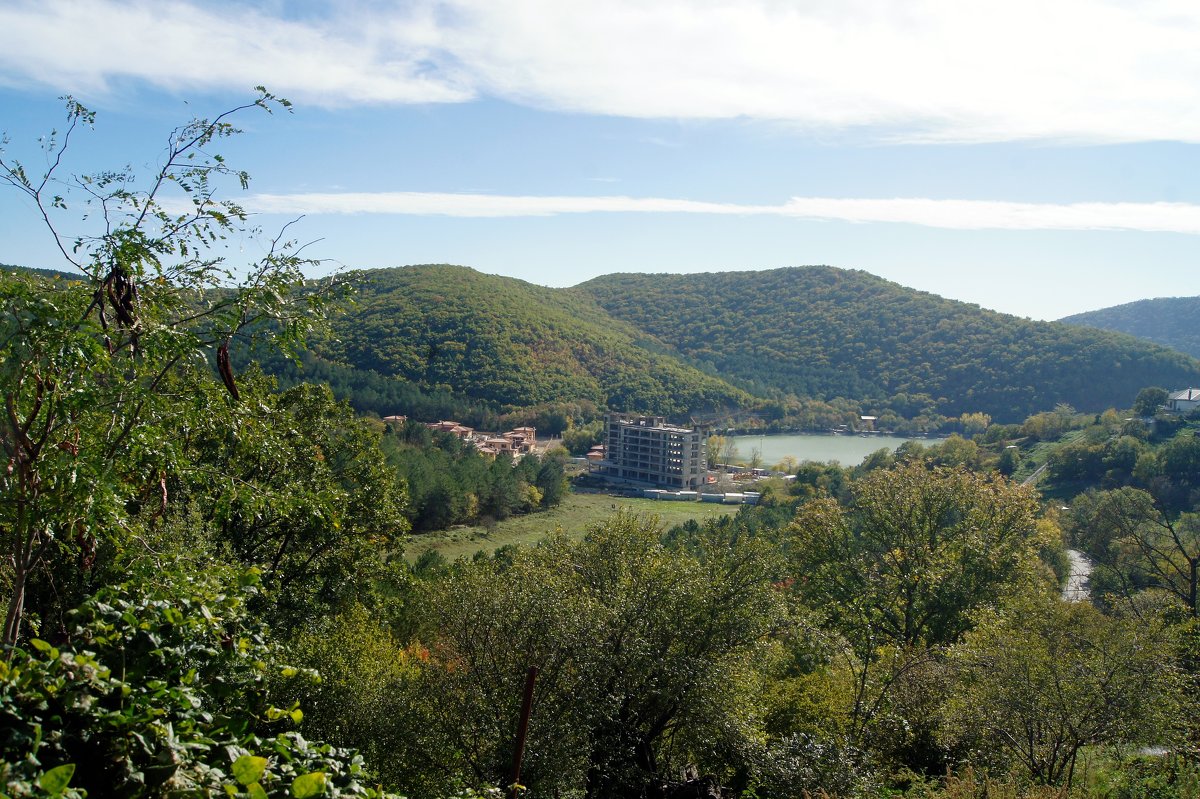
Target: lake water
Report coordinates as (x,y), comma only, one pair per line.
(848,450)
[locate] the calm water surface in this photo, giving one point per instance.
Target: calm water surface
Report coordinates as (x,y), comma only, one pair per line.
(848,450)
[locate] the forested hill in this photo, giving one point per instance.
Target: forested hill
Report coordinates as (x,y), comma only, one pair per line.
(825,332)
(1170,321)
(507,342)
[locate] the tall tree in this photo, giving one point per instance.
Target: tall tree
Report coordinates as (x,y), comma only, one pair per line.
(916,551)
(1039,681)
(901,569)
(643,651)
(1137,544)
(86,365)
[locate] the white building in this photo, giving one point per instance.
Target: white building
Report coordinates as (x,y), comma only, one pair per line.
(1183,401)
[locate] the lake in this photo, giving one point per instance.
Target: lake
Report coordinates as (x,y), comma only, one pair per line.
(848,450)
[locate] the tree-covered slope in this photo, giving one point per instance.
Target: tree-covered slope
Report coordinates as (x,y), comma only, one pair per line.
(826,332)
(508,342)
(1170,321)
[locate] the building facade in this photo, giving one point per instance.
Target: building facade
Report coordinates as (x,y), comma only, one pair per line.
(645,449)
(1184,401)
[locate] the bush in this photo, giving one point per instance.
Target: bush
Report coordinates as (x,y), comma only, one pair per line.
(164,688)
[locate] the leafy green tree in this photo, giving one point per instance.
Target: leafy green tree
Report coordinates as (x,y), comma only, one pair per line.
(85,364)
(1039,681)
(899,573)
(1137,545)
(1179,463)
(1149,400)
(1010,460)
(916,551)
(578,440)
(974,423)
(645,654)
(299,488)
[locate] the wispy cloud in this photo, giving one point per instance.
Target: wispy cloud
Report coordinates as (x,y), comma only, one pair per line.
(955,70)
(91,46)
(951,214)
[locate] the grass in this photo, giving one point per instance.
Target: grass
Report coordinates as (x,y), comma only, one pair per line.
(1039,454)
(574,516)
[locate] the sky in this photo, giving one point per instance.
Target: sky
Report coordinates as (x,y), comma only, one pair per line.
(1037,158)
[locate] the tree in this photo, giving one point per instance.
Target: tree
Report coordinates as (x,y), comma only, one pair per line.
(1137,545)
(644,652)
(755,458)
(712,450)
(86,365)
(917,551)
(974,423)
(300,490)
(1149,400)
(1038,681)
(1010,459)
(901,572)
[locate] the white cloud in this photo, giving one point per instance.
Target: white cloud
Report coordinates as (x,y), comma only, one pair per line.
(88,46)
(935,69)
(952,214)
(954,70)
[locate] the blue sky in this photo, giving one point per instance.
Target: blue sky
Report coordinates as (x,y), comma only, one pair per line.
(1038,158)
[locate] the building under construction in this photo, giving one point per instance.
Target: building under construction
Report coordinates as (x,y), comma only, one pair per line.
(648,451)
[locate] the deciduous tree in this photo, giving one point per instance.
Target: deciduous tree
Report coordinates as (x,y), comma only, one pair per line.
(1040,680)
(85,364)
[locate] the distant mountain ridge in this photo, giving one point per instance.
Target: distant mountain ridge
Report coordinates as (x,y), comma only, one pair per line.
(1171,321)
(512,343)
(826,332)
(802,346)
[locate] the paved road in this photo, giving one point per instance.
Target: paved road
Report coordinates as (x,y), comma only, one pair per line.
(1076,589)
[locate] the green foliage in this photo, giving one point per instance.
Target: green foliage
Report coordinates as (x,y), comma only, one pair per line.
(645,656)
(295,485)
(915,553)
(1149,400)
(1039,681)
(578,440)
(1137,545)
(506,342)
(1166,776)
(825,333)
(88,429)
(366,675)
(163,689)
(370,392)
(450,482)
(1170,321)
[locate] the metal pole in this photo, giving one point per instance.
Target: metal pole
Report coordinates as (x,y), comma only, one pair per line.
(522,731)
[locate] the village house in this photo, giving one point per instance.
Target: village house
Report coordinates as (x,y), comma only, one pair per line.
(1183,401)
(447,426)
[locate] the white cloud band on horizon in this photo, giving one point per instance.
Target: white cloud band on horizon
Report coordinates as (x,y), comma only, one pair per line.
(925,70)
(1159,217)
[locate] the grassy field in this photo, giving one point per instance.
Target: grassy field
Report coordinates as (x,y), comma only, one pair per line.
(576,513)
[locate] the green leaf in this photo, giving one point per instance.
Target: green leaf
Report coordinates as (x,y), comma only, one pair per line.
(309,785)
(249,769)
(40,645)
(256,791)
(56,780)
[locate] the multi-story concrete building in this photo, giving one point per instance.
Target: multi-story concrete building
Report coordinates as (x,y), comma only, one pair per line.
(645,449)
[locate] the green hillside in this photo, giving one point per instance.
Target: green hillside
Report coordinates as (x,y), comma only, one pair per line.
(511,343)
(825,332)
(1171,321)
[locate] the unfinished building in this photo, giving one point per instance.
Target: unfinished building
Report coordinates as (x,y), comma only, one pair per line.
(648,451)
